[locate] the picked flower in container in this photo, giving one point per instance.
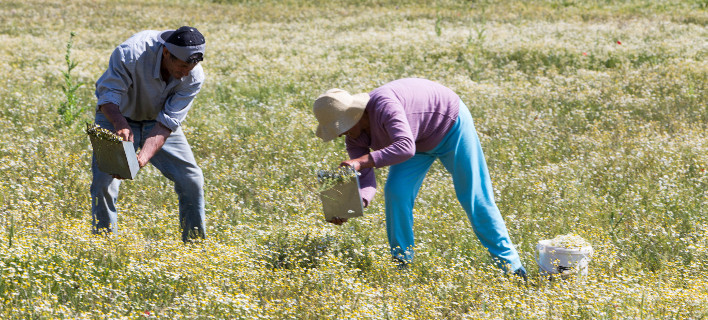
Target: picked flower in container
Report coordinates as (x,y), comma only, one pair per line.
(329,178)
(94,130)
(569,241)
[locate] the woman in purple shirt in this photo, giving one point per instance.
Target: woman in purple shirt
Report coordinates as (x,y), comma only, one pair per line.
(407,124)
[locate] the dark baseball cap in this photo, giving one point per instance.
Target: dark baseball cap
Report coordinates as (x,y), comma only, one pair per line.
(185,43)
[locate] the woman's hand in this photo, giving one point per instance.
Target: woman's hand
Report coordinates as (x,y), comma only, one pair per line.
(351,163)
(362,162)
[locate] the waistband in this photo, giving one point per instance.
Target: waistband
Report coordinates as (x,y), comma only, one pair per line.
(139,121)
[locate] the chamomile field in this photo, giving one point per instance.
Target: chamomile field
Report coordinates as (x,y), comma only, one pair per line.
(592,115)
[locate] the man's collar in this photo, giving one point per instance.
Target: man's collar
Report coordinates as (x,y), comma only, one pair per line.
(158,63)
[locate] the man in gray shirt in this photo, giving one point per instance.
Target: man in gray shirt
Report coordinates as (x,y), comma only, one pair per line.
(144,96)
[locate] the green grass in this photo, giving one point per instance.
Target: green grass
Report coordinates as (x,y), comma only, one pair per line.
(581,133)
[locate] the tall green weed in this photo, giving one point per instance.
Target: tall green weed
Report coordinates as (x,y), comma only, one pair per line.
(71,109)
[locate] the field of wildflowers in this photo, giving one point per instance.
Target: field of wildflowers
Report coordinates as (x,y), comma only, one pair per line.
(593,117)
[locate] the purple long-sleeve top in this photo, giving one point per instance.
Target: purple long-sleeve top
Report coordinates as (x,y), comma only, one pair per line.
(405,116)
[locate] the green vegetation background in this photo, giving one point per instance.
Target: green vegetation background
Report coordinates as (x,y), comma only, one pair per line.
(592,115)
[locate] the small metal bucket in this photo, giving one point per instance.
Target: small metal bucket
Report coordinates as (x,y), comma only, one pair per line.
(342,200)
(116,158)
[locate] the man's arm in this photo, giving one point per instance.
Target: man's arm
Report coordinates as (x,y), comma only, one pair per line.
(153,143)
(112,112)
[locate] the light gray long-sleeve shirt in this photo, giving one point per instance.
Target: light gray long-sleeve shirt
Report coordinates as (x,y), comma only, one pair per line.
(133,82)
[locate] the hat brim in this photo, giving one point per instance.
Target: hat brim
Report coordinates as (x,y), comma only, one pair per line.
(330,131)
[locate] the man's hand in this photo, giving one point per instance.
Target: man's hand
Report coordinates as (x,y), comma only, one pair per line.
(143,161)
(153,143)
(338,221)
(112,112)
(125,133)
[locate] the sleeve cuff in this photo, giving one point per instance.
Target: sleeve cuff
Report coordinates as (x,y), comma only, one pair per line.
(170,123)
(367,194)
(376,157)
(108,97)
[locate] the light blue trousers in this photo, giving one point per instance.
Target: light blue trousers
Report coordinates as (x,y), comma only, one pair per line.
(176,162)
(461,154)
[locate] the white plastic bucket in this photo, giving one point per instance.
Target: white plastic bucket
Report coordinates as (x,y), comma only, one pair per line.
(564,261)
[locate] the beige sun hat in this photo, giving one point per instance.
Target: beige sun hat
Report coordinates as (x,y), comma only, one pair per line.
(338,111)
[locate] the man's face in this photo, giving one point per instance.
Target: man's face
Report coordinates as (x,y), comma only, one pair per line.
(174,66)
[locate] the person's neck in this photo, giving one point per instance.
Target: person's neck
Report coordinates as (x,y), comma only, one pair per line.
(365,123)
(164,75)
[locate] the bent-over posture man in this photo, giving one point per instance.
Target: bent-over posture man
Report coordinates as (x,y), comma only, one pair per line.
(144,95)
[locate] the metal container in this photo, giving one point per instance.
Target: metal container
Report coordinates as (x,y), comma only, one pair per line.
(116,158)
(342,200)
